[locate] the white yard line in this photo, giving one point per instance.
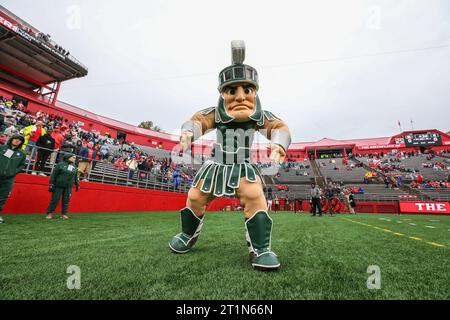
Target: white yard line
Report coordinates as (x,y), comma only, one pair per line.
(413,224)
(431,227)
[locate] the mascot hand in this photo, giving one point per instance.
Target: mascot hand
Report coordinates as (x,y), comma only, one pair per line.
(186,140)
(277,153)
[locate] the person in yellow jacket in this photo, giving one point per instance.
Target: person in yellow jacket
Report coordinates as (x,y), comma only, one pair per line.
(31,134)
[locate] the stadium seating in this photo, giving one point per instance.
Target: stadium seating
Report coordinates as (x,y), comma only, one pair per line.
(295,173)
(354,175)
(414,164)
(378,192)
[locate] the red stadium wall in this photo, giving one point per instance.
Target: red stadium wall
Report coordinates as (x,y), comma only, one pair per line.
(30,195)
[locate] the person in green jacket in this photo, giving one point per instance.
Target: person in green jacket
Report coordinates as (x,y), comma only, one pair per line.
(63,177)
(12,161)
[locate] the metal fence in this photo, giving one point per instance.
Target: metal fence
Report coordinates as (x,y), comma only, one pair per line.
(103,171)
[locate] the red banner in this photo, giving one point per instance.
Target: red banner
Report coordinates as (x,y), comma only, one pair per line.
(425,207)
(8,24)
(382,146)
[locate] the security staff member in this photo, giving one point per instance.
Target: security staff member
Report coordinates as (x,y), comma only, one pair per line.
(63,177)
(315,200)
(12,161)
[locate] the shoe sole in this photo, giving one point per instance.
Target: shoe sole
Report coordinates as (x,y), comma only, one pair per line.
(177,251)
(260,267)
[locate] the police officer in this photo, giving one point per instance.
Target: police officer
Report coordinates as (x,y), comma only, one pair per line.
(12,161)
(63,177)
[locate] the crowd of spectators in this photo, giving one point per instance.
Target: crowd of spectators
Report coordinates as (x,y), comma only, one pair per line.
(431,185)
(49,137)
(141,165)
(44,37)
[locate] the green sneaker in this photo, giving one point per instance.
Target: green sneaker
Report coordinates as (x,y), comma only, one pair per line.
(259,238)
(191,226)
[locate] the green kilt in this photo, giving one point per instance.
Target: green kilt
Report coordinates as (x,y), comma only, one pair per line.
(223,180)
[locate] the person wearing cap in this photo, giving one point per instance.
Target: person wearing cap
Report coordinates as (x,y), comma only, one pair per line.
(87,155)
(230,172)
(12,161)
(46,145)
(63,177)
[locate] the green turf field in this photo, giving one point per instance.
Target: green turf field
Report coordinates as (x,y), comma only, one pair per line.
(125,256)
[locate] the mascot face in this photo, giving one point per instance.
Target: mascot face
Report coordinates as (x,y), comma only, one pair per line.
(240,100)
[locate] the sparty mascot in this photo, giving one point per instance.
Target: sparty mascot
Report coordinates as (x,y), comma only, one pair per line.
(230,172)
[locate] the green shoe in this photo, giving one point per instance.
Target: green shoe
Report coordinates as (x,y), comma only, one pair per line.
(191,226)
(259,238)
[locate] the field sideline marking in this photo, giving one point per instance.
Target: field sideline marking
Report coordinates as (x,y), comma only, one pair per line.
(435,244)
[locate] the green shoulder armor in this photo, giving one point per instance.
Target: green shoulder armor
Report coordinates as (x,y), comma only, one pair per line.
(270,116)
(207,111)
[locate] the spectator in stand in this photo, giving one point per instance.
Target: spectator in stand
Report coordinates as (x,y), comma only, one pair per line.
(45,145)
(97,155)
(132,164)
(399,180)
(86,156)
(386,182)
(176,177)
(419,178)
(67,146)
(12,161)
(120,164)
(2,120)
(31,134)
(104,151)
(78,147)
(58,137)
(20,106)
(11,131)
(142,168)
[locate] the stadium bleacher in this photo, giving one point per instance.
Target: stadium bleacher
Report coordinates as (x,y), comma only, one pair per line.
(298,172)
(378,192)
(345,173)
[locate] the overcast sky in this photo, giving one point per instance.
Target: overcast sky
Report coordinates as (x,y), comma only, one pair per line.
(336,69)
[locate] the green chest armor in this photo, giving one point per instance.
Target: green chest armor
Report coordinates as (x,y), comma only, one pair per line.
(233,142)
(230,160)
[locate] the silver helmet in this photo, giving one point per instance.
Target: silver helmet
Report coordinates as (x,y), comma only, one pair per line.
(235,73)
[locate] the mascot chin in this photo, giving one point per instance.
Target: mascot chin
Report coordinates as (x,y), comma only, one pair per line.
(230,172)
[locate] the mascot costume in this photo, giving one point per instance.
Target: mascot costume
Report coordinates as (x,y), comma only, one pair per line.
(230,172)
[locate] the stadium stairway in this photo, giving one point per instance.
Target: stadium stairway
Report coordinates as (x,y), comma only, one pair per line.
(320,179)
(368,168)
